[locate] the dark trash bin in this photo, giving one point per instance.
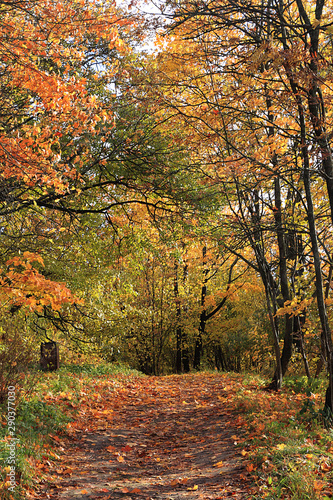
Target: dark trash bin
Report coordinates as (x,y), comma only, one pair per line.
(49,356)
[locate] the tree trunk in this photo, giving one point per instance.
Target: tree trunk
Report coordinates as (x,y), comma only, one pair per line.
(326,331)
(288,334)
(185,350)
(202,324)
(178,321)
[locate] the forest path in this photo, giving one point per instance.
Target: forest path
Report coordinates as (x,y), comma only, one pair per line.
(156,438)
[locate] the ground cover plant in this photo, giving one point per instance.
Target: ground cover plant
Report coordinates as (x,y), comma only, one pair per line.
(287,438)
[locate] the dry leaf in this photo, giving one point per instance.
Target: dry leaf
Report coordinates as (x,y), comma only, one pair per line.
(111,449)
(325,467)
(318,485)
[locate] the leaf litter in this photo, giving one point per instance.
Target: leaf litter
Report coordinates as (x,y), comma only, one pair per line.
(156,438)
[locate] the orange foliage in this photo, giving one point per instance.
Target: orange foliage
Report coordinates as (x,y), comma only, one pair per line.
(21,284)
(42,44)
(48,109)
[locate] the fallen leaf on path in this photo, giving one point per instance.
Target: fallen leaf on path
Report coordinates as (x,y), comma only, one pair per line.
(126,448)
(111,449)
(67,471)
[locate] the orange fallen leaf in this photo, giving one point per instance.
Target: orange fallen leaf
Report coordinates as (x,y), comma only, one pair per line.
(120,458)
(83,492)
(325,467)
(111,449)
(218,464)
(318,485)
(55,438)
(136,490)
(68,471)
(126,448)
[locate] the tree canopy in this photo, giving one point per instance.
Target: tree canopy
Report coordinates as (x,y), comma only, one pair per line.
(170,207)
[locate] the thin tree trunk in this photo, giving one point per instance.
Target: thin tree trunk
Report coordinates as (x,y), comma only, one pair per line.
(202,323)
(326,331)
(288,334)
(178,322)
(185,350)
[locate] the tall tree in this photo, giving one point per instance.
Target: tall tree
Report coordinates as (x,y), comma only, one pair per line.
(233,79)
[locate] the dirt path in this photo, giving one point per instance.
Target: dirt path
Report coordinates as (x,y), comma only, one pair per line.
(167,438)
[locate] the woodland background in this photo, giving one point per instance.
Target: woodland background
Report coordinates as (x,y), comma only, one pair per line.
(167,185)
(166,205)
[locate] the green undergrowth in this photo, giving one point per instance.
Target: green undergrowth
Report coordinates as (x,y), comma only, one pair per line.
(288,440)
(45,412)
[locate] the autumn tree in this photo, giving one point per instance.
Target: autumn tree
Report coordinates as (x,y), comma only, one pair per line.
(74,145)
(219,77)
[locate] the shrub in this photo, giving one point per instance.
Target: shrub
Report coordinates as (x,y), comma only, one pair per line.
(16,354)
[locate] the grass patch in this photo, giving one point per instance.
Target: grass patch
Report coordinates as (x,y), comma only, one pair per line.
(289,450)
